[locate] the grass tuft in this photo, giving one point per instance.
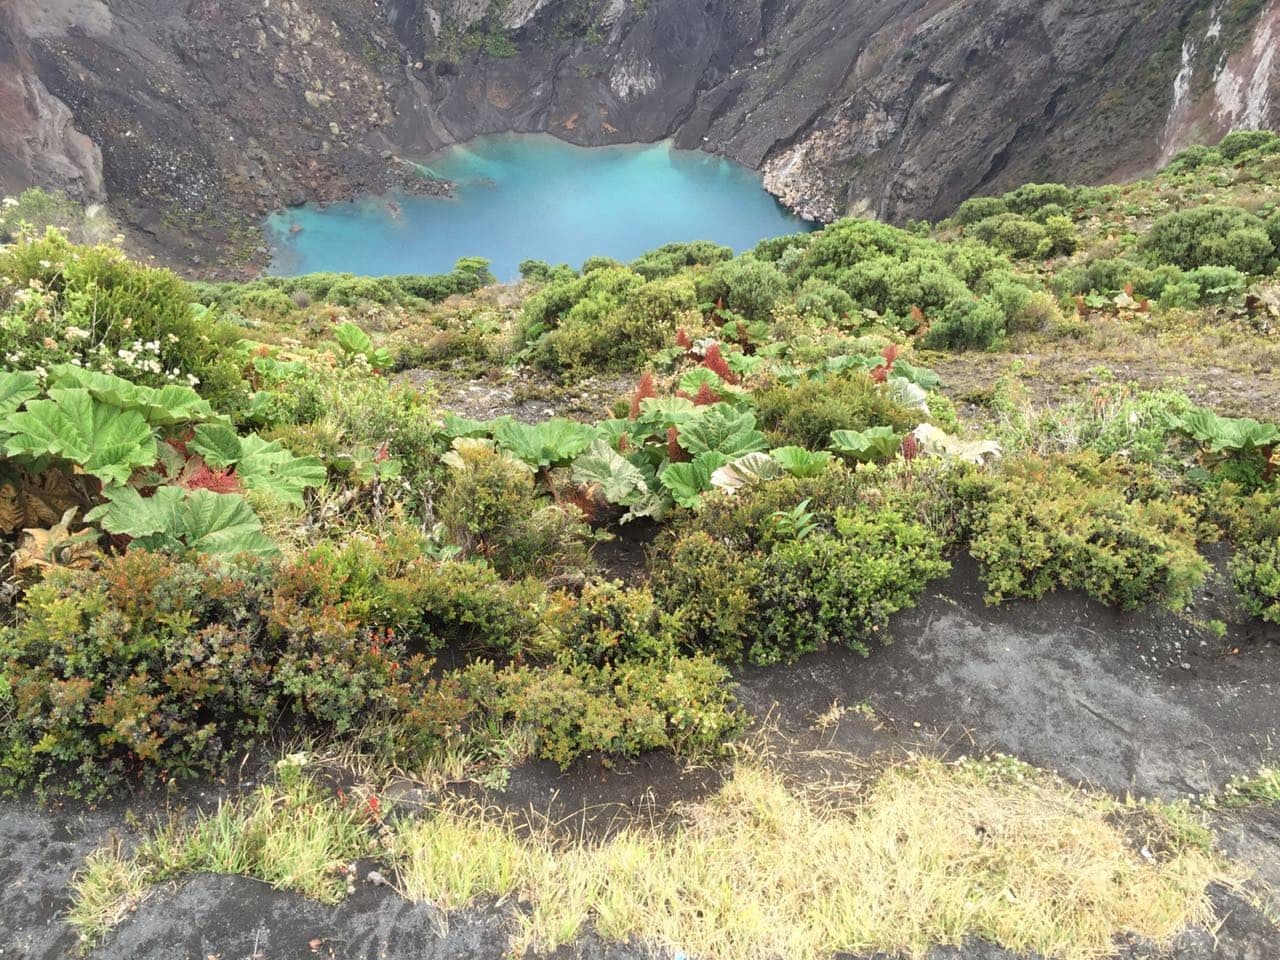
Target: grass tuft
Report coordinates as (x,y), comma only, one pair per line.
(931,854)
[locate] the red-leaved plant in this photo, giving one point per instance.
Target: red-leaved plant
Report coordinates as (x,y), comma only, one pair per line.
(644,390)
(716,363)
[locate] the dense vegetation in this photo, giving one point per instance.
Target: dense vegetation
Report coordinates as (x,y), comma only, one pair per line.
(226,515)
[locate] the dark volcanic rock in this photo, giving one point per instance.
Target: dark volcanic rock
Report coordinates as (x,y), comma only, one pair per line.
(212,112)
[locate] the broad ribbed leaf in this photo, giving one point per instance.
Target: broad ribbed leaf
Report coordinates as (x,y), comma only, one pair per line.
(551,443)
(456,426)
(270,468)
(922,377)
(159,407)
(224,525)
(687,482)
(1225,433)
(800,462)
(103,440)
(16,388)
(934,442)
(220,524)
(619,480)
(721,429)
(129,513)
(218,443)
(745,472)
(875,443)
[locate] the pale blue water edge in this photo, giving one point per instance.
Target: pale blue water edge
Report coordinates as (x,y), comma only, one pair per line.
(531,196)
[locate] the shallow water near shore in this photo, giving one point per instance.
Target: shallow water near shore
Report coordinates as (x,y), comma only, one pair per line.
(526,196)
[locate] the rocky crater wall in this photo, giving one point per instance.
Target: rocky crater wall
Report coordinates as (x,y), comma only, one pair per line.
(193,118)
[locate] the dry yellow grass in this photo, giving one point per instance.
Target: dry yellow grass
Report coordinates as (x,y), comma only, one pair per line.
(930,854)
(924,853)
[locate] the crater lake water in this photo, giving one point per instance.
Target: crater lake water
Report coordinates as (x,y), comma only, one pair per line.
(531,196)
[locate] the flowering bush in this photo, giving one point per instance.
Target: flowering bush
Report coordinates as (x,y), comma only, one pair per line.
(91,307)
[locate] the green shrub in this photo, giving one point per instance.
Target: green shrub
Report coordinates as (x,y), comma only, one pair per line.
(1239,142)
(1029,199)
(823,301)
(1211,236)
(747,286)
(606,623)
(147,668)
(1218,284)
(1082,523)
(805,415)
(790,594)
(618,323)
(714,590)
(842,588)
(976,209)
(967,325)
(573,709)
(674,257)
(1252,523)
(264,302)
(1011,233)
(490,509)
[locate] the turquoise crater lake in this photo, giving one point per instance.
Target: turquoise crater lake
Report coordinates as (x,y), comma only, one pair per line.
(531,196)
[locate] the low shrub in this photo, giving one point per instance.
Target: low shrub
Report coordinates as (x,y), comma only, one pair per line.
(796,578)
(606,623)
(1212,236)
(490,508)
(92,306)
(573,709)
(149,668)
(805,414)
(1087,524)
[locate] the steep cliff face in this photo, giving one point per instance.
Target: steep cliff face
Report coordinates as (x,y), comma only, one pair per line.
(195,117)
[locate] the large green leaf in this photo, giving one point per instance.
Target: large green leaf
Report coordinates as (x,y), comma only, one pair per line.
(270,468)
(687,482)
(16,388)
(1225,433)
(800,462)
(218,443)
(103,440)
(922,377)
(874,443)
(619,480)
(173,520)
(552,443)
(159,407)
(722,429)
(456,426)
(746,471)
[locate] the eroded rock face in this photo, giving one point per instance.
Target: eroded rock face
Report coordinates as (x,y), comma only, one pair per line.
(196,117)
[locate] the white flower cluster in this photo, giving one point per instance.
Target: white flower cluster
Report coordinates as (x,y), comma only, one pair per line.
(142,357)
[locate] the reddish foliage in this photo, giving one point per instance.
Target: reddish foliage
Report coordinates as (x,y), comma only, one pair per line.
(716,363)
(624,443)
(644,390)
(909,447)
(683,340)
(584,498)
(881,373)
(198,476)
(705,396)
(675,452)
(917,317)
